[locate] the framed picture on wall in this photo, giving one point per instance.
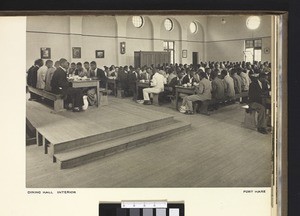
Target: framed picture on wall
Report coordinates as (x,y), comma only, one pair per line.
(122,47)
(76,52)
(45,53)
(99,53)
(184,53)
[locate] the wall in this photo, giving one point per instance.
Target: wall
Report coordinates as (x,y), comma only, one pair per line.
(47,31)
(213,41)
(99,33)
(138,39)
(226,41)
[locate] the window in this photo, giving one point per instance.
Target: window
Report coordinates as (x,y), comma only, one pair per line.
(253,22)
(169,46)
(193,27)
(168,24)
(137,21)
(253,50)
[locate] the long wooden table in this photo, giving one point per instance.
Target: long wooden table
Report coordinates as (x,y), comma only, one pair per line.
(87,84)
(184,90)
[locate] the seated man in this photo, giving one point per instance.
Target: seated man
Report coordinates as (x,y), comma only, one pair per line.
(41,77)
(229,85)
(133,77)
(203,93)
(72,69)
(86,66)
(237,81)
(157,86)
(32,72)
(60,85)
(79,71)
(123,81)
(49,74)
(218,88)
(257,90)
(97,73)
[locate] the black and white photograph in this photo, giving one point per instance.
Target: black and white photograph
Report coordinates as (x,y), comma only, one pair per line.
(189,104)
(185,107)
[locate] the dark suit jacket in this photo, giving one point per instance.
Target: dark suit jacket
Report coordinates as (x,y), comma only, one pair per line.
(59,80)
(256,92)
(122,79)
(32,76)
(132,77)
(103,78)
(186,80)
(218,89)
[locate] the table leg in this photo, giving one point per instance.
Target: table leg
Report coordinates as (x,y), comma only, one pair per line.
(137,91)
(176,99)
(98,94)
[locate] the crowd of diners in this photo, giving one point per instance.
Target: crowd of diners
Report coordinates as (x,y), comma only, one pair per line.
(213,80)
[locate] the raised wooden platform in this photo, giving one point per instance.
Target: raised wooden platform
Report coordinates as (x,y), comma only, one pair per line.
(72,139)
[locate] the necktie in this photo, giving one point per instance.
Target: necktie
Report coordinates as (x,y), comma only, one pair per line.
(92,73)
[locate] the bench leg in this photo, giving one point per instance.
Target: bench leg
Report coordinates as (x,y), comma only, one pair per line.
(58,105)
(38,138)
(155,99)
(250,120)
(120,93)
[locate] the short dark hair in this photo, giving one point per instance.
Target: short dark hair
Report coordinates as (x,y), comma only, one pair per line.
(224,72)
(93,63)
(79,64)
(202,74)
(39,62)
(62,60)
(86,62)
(49,61)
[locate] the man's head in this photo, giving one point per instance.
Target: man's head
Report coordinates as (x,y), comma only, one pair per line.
(49,63)
(202,75)
(39,62)
(56,64)
(79,65)
(262,77)
(64,63)
(223,73)
(214,74)
(93,65)
(86,65)
(73,65)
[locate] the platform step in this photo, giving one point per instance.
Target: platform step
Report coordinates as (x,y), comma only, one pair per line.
(65,146)
(99,150)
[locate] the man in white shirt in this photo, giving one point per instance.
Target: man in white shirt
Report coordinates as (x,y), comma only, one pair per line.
(157,86)
(41,77)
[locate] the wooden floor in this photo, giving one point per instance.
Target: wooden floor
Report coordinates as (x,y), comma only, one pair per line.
(216,152)
(66,126)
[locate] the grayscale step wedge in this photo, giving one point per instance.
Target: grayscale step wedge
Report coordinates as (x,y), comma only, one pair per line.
(86,141)
(99,150)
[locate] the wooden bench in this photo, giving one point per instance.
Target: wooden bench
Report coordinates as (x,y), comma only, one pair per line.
(250,118)
(57,99)
(156,98)
(103,96)
(207,103)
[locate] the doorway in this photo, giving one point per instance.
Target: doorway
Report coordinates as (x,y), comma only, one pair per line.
(195,58)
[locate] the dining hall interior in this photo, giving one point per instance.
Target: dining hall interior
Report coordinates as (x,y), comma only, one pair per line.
(134,101)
